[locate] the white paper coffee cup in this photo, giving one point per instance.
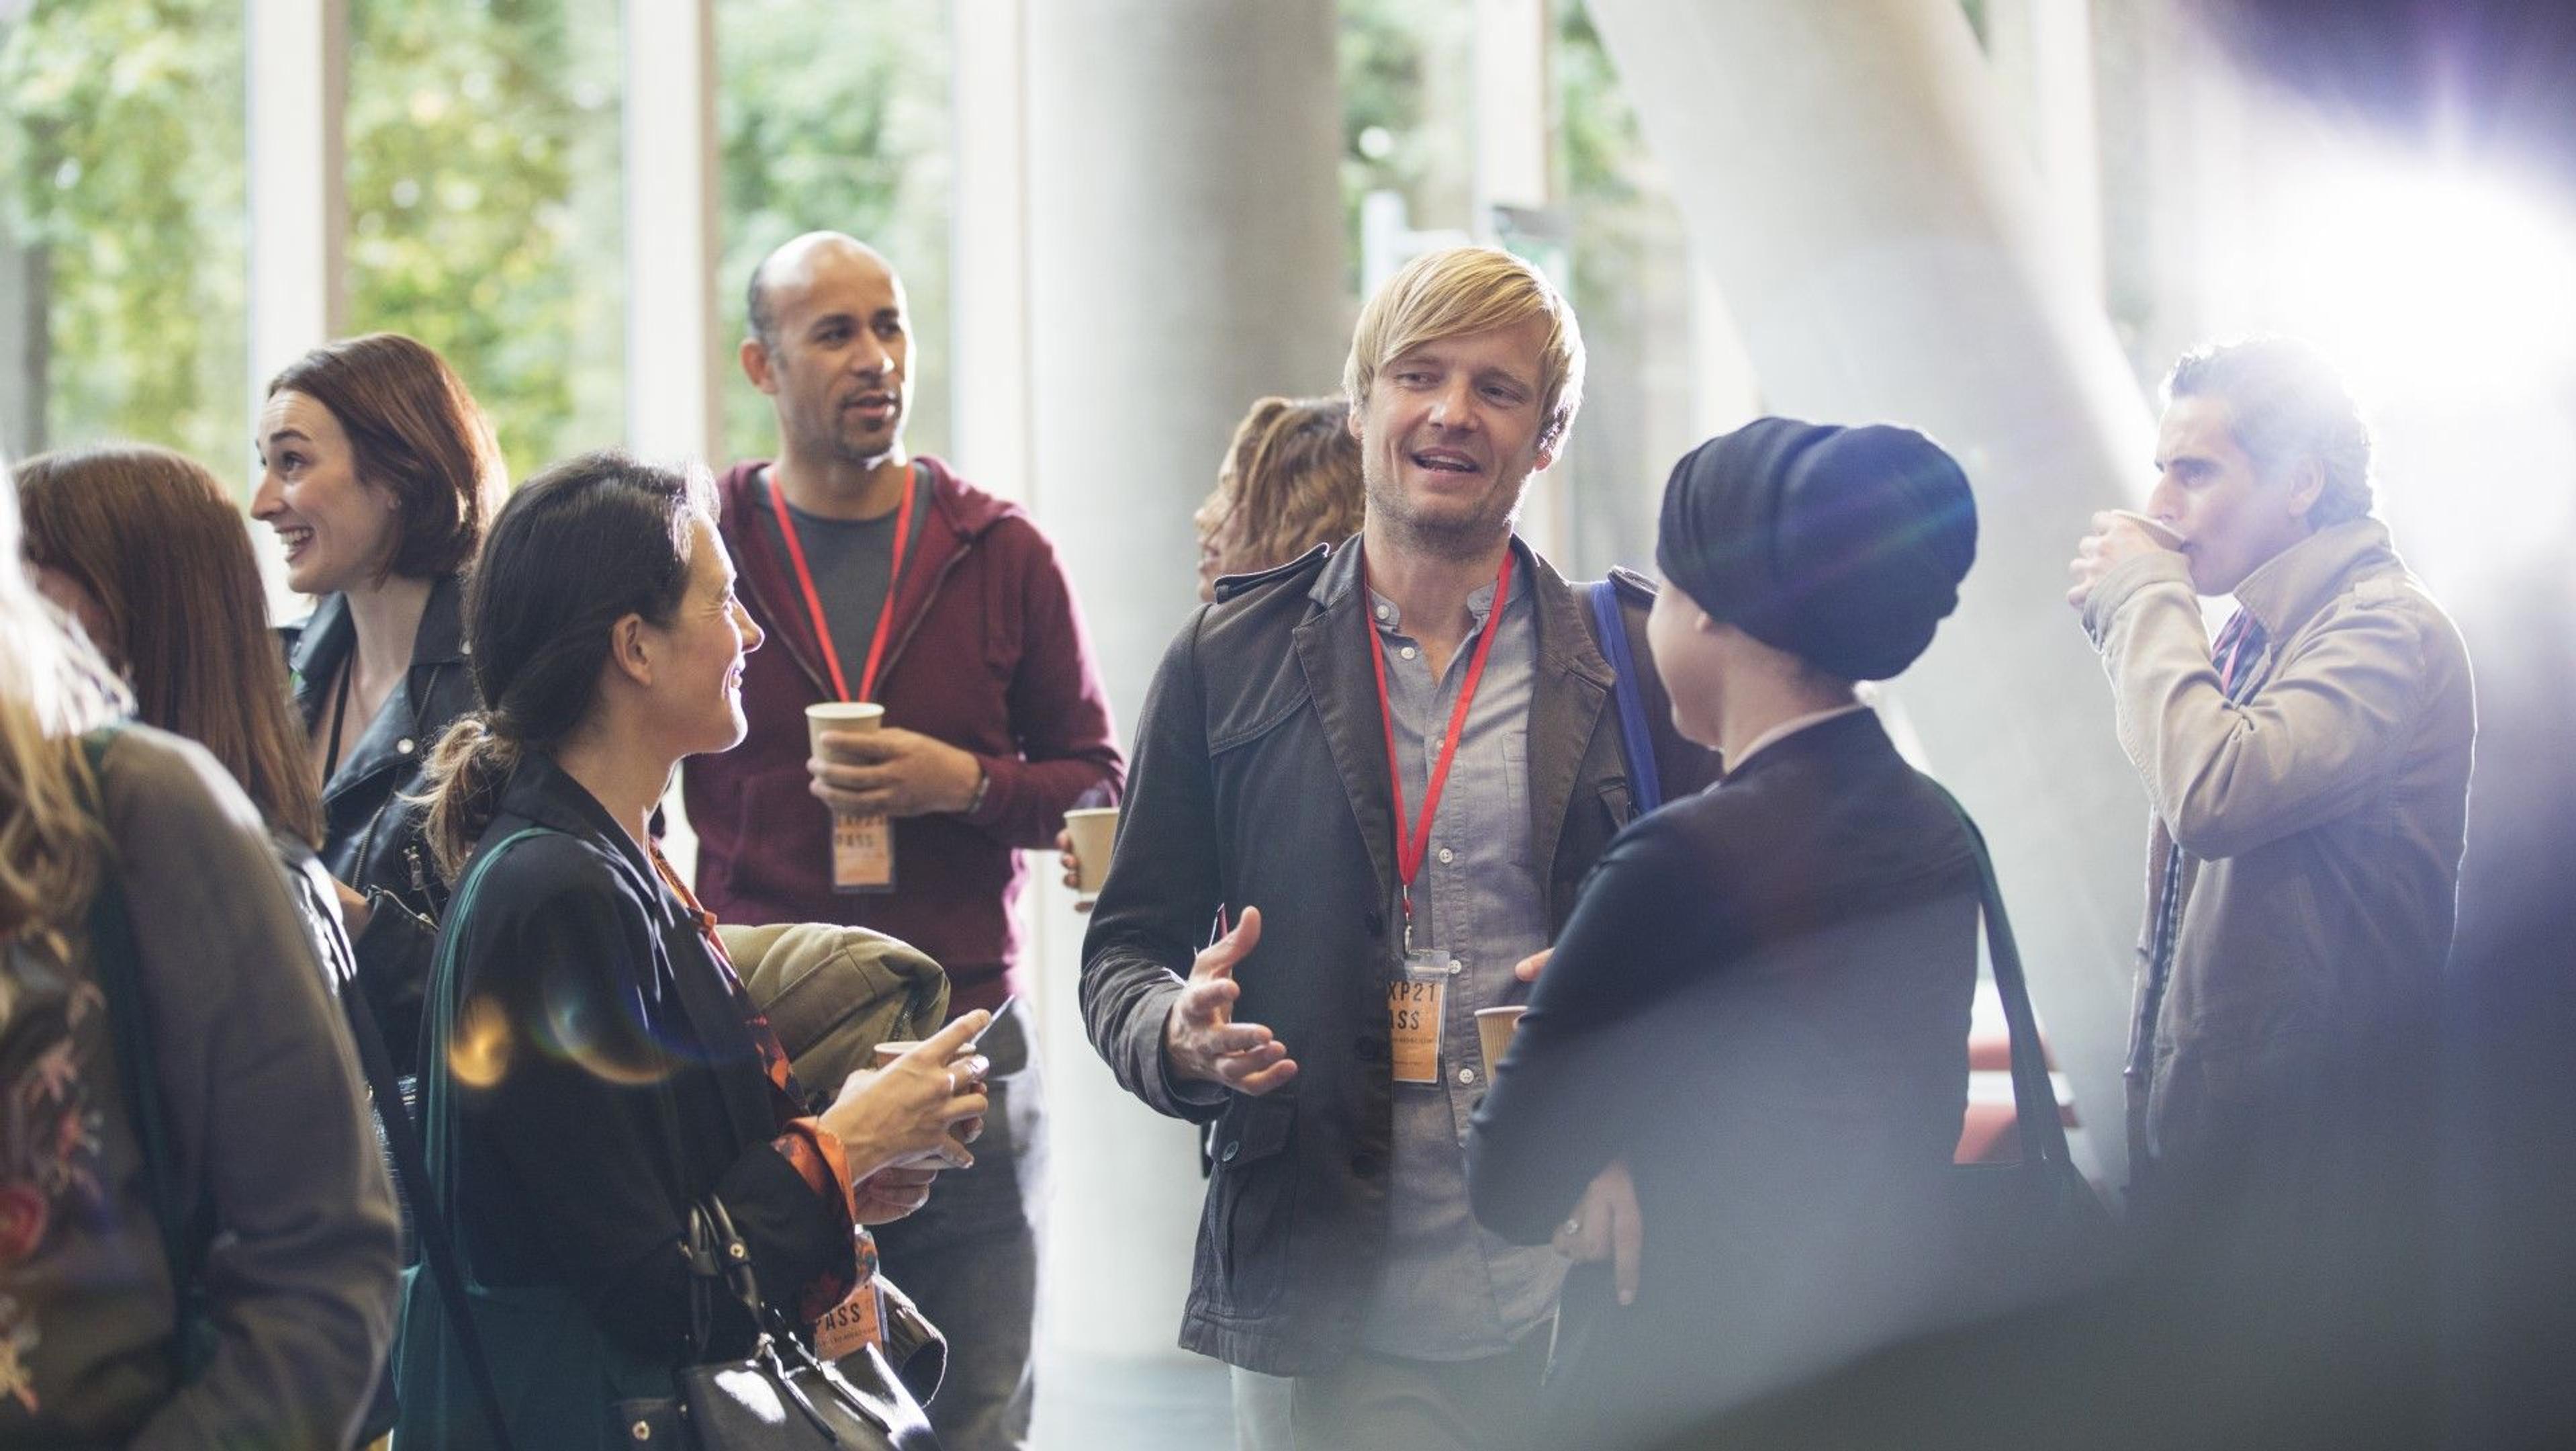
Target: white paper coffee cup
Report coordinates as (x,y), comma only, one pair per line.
(862,846)
(1094,830)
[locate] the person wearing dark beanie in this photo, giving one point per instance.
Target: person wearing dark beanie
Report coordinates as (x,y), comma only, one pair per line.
(1759,1007)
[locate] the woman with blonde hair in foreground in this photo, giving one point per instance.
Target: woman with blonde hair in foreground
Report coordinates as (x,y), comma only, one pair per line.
(197,1243)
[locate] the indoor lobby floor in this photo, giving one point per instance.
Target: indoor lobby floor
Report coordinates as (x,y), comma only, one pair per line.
(1092,1403)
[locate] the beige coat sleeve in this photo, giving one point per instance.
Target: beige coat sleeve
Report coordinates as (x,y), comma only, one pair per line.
(2321,732)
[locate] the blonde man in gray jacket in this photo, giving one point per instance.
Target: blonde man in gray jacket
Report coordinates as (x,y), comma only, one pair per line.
(2308,771)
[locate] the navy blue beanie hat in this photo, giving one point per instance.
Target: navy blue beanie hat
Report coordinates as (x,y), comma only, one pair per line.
(1842,546)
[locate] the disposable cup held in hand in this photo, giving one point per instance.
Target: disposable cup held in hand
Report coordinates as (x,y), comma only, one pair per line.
(862,846)
(1094,830)
(2158,530)
(1494,1030)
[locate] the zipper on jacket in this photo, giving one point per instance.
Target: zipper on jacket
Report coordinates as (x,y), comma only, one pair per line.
(938,582)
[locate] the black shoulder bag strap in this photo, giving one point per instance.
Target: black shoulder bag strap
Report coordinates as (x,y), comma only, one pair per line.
(2035,1113)
(411,1160)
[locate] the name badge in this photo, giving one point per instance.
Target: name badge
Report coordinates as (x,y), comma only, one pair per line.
(862,854)
(858,1321)
(1415,1004)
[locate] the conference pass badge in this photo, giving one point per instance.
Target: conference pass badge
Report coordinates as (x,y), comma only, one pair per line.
(1414,1004)
(859,1321)
(862,853)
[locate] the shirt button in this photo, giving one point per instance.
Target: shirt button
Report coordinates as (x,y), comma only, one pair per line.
(404,746)
(1447,856)
(1407,652)
(1466,1075)
(1386,612)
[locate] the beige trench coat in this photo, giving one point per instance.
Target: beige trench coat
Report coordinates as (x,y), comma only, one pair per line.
(2320,819)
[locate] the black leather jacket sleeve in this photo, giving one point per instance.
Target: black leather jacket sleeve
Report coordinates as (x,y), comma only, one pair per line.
(1163,889)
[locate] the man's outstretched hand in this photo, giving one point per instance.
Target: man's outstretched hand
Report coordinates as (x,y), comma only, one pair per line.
(1202,1042)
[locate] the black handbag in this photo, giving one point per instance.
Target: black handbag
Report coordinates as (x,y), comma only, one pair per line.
(2030,1230)
(779,1398)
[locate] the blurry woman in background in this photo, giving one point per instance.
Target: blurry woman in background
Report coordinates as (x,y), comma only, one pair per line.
(379,475)
(145,549)
(152,1121)
(596,1069)
(1290,481)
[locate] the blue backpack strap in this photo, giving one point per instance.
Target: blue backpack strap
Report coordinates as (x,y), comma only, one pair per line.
(1645,782)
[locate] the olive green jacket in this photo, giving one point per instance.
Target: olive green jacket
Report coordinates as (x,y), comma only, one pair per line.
(832,994)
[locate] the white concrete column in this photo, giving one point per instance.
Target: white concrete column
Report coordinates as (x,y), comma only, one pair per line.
(2041,52)
(1185,255)
(672,334)
(1852,180)
(299,215)
(989,243)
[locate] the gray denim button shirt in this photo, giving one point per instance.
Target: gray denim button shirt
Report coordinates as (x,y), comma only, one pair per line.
(1449,1289)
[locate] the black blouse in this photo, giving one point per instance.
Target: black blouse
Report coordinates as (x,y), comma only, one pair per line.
(607,1080)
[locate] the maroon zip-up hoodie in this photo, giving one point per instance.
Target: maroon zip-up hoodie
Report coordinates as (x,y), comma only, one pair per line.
(987,652)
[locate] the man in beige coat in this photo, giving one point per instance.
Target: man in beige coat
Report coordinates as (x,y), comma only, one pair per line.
(2308,772)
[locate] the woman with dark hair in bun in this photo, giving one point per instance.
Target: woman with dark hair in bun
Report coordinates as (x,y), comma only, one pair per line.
(379,474)
(594,1068)
(1760,1003)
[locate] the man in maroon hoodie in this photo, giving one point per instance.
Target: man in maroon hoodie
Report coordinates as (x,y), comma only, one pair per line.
(884,577)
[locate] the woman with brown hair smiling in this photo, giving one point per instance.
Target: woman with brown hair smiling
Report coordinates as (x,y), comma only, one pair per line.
(379,475)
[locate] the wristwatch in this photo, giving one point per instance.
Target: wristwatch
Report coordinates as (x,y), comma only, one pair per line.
(983,783)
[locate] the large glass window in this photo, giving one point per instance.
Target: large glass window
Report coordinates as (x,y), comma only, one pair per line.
(122,225)
(836,117)
(486,205)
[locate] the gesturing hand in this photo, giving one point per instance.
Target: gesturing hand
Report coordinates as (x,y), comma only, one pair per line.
(1605,1225)
(1201,1040)
(892,772)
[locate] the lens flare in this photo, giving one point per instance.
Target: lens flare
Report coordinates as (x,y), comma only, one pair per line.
(2428,282)
(479,1052)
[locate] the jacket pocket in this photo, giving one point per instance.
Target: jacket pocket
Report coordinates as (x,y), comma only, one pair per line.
(1254,1206)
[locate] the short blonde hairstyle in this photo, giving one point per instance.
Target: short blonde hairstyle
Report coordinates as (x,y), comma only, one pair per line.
(1461,290)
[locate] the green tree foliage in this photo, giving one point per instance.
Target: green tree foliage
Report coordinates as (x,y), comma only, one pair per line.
(485,205)
(122,157)
(836,117)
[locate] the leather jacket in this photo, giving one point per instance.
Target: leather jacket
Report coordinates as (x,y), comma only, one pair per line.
(371,834)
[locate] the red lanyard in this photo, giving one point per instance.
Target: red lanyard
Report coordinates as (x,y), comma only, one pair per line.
(814,602)
(1411,847)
